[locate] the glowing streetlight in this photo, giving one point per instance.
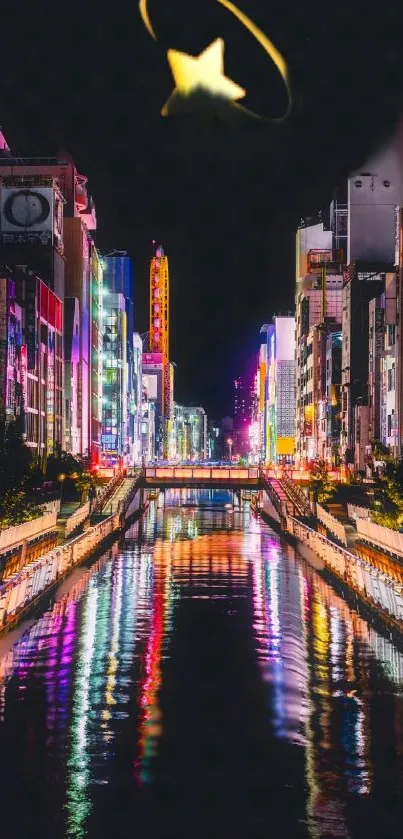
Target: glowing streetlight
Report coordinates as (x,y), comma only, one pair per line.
(229,443)
(61,478)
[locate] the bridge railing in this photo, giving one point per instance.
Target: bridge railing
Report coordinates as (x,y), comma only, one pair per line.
(205,473)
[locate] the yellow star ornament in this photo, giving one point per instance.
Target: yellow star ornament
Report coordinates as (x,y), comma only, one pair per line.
(204,72)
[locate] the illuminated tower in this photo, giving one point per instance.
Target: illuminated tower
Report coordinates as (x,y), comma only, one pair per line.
(159,336)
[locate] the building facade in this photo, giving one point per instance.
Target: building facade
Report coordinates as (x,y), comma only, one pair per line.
(190,433)
(115,407)
(12,356)
(279,405)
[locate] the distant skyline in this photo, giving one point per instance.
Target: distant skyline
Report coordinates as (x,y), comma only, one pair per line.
(224,202)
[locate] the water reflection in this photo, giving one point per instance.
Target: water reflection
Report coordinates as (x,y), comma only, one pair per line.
(86,690)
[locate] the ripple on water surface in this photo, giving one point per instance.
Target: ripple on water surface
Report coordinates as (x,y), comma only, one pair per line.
(200,679)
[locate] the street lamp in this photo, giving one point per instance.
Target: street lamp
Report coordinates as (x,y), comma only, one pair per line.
(61,478)
(229,442)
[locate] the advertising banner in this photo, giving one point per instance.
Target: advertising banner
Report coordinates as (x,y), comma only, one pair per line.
(30,323)
(27,215)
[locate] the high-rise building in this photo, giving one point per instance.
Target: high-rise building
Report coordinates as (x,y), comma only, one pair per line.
(42,365)
(190,433)
(364,281)
(319,283)
(159,349)
(136,399)
(115,409)
(47,219)
(332,403)
(118,279)
(72,431)
(12,356)
(280,391)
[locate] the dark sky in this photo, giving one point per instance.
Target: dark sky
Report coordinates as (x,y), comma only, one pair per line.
(224,200)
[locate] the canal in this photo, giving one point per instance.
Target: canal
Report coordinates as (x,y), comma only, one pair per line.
(200,679)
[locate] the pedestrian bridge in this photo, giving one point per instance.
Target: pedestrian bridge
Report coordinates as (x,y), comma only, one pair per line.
(202,477)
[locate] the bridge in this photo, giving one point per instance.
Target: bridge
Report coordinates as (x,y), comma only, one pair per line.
(200,477)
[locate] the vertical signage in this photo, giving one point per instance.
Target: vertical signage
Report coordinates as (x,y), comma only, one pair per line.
(30,323)
(24,375)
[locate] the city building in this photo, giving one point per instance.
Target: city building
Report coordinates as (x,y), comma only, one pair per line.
(41,365)
(214,452)
(158,357)
(115,407)
(318,305)
(12,356)
(364,282)
(190,433)
(330,449)
(244,406)
(47,219)
(279,397)
(72,432)
(148,444)
(118,279)
(136,400)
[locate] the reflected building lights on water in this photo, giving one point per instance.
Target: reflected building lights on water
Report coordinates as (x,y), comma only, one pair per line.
(319,660)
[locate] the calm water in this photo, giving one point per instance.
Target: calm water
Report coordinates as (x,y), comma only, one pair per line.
(200,680)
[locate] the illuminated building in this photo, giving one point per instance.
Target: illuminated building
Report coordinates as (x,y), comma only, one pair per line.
(190,433)
(370,404)
(118,278)
(115,444)
(96,369)
(261,391)
(12,356)
(136,400)
(318,303)
(279,406)
(42,353)
(147,421)
(244,399)
(364,281)
(329,441)
(213,442)
(58,247)
(71,375)
(159,348)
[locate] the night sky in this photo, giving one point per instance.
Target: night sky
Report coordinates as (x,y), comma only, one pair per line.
(224,200)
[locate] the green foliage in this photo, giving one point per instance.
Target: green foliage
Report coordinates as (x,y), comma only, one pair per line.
(15,459)
(62,464)
(320,484)
(83,482)
(15,508)
(389,510)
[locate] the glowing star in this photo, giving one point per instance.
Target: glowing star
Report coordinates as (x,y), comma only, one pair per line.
(204,72)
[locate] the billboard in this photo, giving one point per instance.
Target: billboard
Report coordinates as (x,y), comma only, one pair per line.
(151,358)
(31,216)
(30,323)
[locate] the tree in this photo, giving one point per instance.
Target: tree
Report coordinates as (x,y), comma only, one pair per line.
(389,511)
(320,484)
(83,482)
(15,459)
(15,508)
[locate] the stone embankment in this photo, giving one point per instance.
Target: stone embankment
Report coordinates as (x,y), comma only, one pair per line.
(375,589)
(20,591)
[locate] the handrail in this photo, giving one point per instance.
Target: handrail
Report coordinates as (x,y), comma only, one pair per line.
(359,575)
(10,537)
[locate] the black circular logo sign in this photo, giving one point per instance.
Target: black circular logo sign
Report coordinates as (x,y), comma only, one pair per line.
(26,208)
